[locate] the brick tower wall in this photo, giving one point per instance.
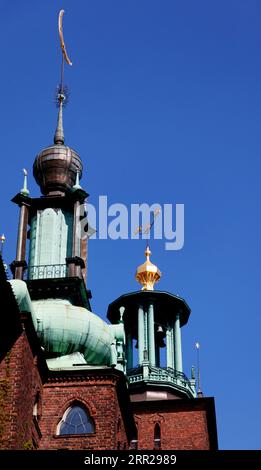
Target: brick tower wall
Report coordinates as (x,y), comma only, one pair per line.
(20,384)
(184,424)
(22,371)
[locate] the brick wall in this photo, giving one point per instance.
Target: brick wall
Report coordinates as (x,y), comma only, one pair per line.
(183,431)
(99,395)
(19,384)
(184,424)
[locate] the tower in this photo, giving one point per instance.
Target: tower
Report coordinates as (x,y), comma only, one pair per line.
(78,345)
(56,249)
(168,414)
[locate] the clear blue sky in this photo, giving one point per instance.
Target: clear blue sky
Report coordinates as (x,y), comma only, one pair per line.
(165,107)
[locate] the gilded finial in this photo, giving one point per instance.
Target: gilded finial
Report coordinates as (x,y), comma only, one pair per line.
(148,274)
(24,189)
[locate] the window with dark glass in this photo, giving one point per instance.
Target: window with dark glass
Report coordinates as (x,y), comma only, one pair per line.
(157,443)
(36,408)
(76,420)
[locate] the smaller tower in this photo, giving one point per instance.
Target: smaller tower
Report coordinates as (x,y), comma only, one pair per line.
(168,414)
(153,320)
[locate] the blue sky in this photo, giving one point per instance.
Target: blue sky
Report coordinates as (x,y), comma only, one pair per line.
(164,107)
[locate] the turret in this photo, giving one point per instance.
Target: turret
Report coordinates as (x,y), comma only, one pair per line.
(153,322)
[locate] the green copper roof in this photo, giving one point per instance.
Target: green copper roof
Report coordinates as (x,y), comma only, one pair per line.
(165,303)
(64,328)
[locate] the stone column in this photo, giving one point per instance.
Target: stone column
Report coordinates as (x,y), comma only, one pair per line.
(172,347)
(129,351)
(75,262)
(76,236)
(157,352)
(141,334)
(169,349)
(177,344)
(151,335)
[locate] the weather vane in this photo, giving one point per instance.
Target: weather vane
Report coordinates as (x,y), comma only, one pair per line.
(149,225)
(62,94)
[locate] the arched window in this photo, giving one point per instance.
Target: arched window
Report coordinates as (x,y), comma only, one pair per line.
(36,408)
(157,443)
(75,420)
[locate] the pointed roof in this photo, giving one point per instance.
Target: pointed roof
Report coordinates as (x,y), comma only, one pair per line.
(59,133)
(58,168)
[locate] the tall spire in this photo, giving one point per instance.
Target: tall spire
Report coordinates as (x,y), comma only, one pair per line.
(61,97)
(59,134)
(56,166)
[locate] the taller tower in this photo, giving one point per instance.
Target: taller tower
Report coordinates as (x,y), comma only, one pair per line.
(55,266)
(56,249)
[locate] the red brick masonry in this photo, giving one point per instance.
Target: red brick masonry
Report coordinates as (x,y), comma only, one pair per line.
(104,393)
(185,424)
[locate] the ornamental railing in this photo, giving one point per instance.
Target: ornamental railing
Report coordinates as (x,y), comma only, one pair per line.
(49,271)
(160,375)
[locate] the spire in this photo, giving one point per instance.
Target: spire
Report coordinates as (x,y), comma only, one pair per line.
(148,274)
(24,189)
(61,97)
(59,134)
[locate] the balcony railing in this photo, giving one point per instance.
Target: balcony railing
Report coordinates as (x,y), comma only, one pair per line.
(47,271)
(161,375)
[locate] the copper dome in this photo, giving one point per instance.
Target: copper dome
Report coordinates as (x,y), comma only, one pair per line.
(55,169)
